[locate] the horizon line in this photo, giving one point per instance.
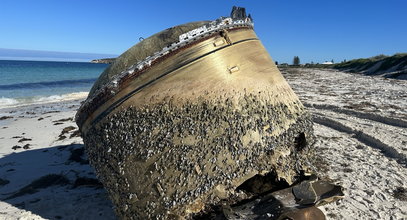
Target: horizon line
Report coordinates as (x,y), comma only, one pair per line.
(53,51)
(43,55)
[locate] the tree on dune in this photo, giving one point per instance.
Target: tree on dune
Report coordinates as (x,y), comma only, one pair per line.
(296,61)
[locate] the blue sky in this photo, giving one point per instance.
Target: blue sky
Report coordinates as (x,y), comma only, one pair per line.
(314,30)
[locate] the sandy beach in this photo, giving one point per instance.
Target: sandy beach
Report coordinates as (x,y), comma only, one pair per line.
(43,169)
(360,125)
(361,130)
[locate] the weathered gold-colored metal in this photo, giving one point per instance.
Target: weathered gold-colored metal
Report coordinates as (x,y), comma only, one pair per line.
(207,153)
(246,51)
(204,48)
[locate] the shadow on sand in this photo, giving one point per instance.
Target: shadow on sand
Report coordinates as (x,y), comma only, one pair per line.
(54,183)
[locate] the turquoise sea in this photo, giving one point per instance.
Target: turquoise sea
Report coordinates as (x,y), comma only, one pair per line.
(26,82)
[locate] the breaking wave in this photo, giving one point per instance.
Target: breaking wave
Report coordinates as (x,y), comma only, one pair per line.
(15,102)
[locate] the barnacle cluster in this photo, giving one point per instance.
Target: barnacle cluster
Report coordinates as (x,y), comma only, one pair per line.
(165,159)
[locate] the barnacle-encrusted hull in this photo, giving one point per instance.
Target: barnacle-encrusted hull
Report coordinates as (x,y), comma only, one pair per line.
(184,133)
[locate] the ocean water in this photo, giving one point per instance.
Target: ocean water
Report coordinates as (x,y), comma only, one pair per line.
(27,82)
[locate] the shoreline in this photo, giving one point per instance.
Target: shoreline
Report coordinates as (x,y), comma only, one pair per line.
(40,100)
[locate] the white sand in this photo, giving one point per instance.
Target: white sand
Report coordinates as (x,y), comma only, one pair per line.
(47,155)
(353,155)
(361,116)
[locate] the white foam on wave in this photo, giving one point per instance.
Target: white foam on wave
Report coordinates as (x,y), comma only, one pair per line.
(16,102)
(7,101)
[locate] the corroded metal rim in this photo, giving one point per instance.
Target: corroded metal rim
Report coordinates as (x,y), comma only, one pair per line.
(122,81)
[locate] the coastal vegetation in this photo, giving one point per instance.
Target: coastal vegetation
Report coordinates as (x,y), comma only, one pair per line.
(394,66)
(375,65)
(296,61)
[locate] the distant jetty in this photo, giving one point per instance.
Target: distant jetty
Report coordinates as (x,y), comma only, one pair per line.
(105,60)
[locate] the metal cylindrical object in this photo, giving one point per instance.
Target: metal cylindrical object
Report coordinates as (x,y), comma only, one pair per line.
(180,135)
